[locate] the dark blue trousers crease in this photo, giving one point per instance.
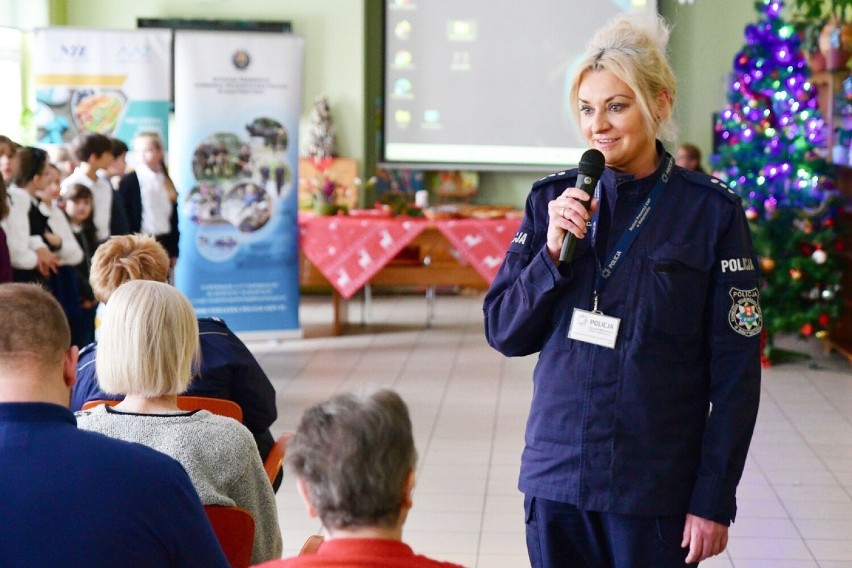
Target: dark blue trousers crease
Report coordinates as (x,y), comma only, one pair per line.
(561,536)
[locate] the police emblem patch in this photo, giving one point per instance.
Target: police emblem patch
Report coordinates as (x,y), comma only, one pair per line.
(745,316)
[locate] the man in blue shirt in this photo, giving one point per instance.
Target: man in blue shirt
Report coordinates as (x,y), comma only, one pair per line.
(75,498)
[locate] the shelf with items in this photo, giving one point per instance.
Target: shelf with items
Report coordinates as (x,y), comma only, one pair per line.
(839,338)
(834,90)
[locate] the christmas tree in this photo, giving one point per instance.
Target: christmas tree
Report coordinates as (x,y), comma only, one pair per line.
(321,143)
(771,136)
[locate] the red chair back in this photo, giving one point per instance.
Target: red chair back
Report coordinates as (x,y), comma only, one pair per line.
(218,406)
(234,527)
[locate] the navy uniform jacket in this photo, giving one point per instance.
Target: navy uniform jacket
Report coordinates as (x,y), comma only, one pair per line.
(228,370)
(660,424)
(77,499)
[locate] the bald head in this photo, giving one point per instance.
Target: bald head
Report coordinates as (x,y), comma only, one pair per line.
(33,329)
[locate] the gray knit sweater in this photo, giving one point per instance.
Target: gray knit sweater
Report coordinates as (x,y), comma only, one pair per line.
(218,453)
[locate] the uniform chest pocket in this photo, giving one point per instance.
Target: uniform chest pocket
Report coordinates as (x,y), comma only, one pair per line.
(676,284)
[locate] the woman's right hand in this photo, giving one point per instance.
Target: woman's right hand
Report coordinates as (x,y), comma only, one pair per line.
(568,214)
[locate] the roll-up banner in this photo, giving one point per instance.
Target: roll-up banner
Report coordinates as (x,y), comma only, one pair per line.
(234,159)
(114,82)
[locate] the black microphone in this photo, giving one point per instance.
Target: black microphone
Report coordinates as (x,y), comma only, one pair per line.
(590,169)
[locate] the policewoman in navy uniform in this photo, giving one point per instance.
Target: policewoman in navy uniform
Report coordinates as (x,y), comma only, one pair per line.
(647,383)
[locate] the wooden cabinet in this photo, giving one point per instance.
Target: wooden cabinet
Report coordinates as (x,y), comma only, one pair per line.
(829,84)
(840,335)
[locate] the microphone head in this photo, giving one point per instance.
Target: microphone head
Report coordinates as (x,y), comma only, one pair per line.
(592,163)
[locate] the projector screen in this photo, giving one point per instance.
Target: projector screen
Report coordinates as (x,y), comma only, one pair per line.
(483,84)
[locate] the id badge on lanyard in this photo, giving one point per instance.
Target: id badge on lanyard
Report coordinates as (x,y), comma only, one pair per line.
(593,326)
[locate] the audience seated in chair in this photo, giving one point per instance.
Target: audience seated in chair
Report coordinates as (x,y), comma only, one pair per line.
(147,352)
(228,369)
(75,498)
(354,461)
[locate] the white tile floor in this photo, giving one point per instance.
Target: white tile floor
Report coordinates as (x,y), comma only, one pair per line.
(469,404)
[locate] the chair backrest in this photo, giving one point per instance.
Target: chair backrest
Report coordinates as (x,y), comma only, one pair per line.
(218,406)
(312,544)
(273,461)
(234,527)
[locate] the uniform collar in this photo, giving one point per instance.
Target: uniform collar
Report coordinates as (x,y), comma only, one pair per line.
(621,183)
(35,412)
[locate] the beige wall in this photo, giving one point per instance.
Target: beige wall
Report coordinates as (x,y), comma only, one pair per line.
(706,35)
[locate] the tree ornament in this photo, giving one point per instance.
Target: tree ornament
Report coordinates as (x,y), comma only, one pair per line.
(807,329)
(819,256)
(813,294)
(828,294)
(823,320)
(821,334)
(767,264)
(795,274)
(751,214)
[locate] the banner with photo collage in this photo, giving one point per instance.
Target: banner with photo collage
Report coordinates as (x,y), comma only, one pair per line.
(237,104)
(114,82)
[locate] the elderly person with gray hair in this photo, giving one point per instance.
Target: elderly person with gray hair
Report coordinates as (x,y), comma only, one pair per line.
(148,351)
(354,459)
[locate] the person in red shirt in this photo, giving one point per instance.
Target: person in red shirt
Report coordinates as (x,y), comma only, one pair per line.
(354,459)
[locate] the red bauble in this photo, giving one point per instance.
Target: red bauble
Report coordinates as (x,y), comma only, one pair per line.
(807,249)
(807,329)
(828,223)
(823,320)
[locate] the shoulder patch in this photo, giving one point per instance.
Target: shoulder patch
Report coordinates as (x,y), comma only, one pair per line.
(555,176)
(709,181)
(88,348)
(745,316)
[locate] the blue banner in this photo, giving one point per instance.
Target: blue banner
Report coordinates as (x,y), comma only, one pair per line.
(234,160)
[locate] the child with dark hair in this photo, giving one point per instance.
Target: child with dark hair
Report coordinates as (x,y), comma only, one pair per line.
(30,241)
(64,282)
(95,153)
(77,202)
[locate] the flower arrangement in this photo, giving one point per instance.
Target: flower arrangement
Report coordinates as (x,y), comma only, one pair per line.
(330,197)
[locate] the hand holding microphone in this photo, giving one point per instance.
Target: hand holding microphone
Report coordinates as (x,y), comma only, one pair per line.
(589,171)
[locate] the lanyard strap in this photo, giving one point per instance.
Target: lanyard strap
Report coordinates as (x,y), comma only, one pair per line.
(631,232)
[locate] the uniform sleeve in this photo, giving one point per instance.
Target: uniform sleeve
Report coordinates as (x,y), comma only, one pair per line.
(250,387)
(519,301)
(86,387)
(253,492)
(70,253)
(17,227)
(736,325)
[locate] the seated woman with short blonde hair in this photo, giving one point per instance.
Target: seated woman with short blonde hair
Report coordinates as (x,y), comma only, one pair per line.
(148,351)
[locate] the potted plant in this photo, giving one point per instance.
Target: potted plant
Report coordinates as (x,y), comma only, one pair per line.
(831,17)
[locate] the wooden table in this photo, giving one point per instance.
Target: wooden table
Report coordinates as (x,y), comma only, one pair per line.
(350,253)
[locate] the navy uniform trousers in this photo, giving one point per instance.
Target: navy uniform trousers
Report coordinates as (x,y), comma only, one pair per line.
(561,536)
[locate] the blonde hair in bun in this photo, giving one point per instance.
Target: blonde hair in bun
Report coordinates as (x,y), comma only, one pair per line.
(634,50)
